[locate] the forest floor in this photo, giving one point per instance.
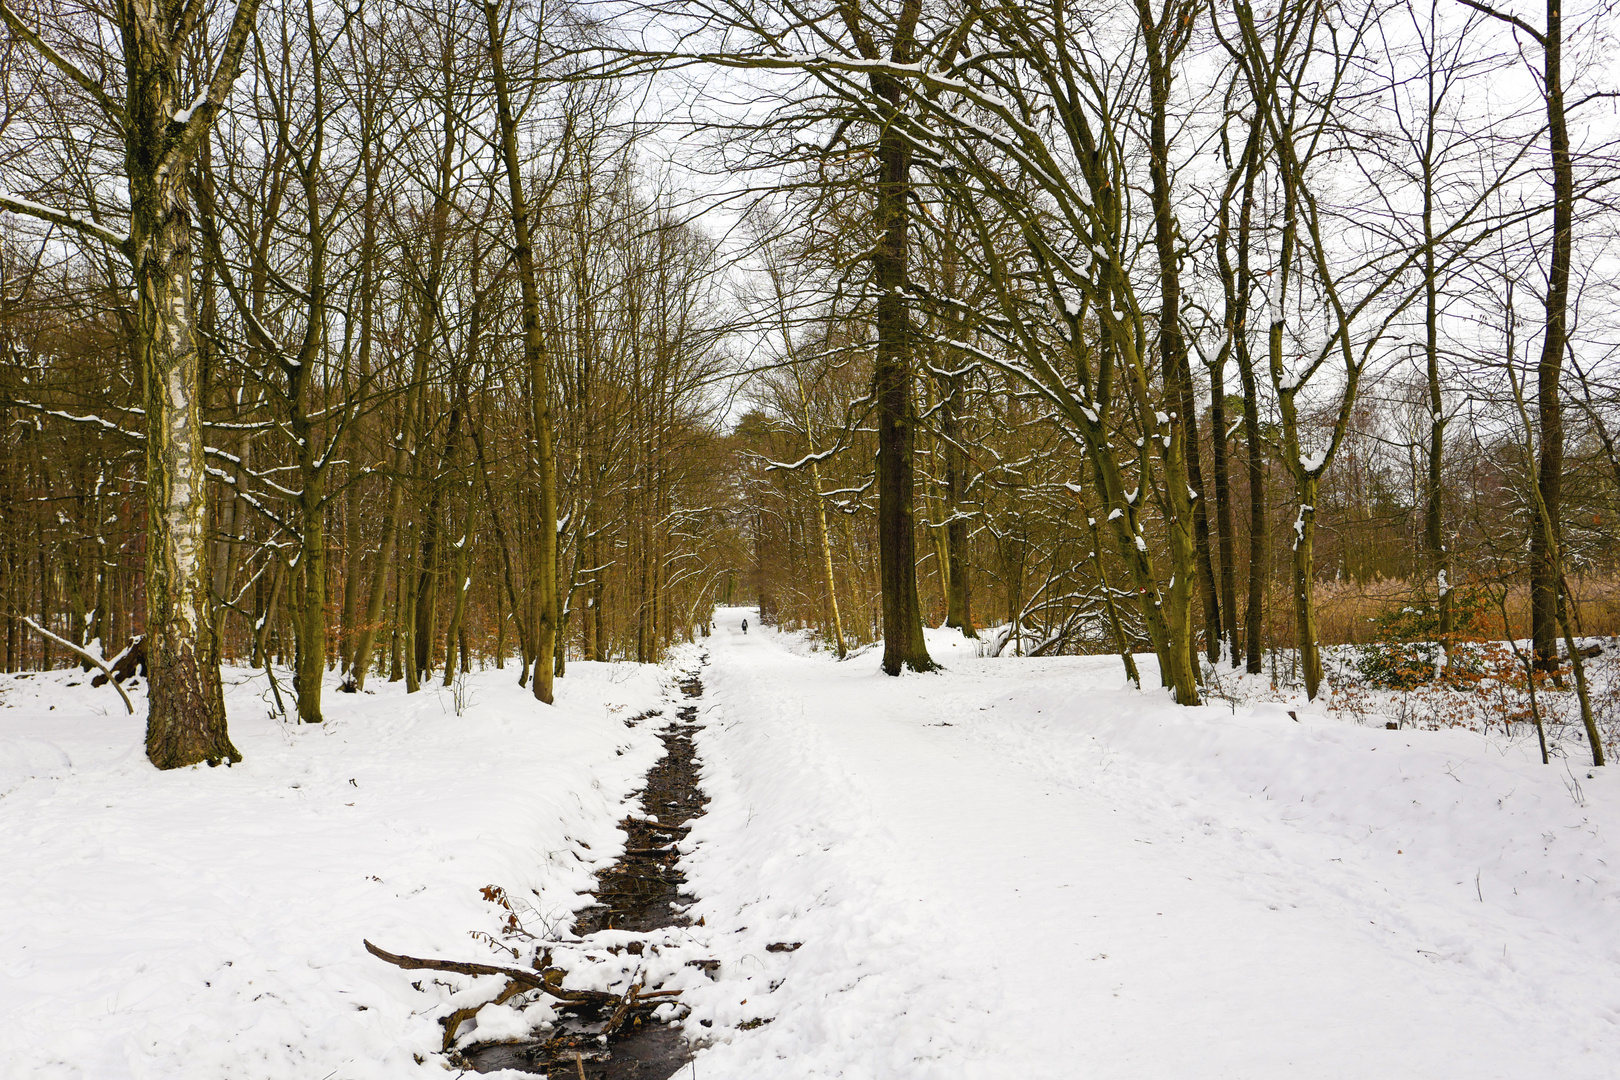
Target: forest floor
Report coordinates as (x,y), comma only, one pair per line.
(1013,868)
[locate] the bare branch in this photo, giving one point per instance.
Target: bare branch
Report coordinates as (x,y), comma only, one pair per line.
(199,118)
(1511,20)
(61,63)
(18,205)
(96,660)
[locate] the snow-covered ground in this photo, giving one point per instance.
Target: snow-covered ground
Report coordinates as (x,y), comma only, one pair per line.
(1027,869)
(1016,868)
(207,922)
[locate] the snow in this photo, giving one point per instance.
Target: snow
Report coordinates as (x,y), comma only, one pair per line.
(208,922)
(1025,868)
(497,1022)
(184,115)
(1299,523)
(1011,868)
(47,213)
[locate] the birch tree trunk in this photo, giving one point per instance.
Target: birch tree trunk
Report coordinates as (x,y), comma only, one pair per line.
(186,709)
(163,133)
(186,717)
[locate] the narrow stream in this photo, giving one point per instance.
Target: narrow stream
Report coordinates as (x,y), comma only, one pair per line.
(639,892)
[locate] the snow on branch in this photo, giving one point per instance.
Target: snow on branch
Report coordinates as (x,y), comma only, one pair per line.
(89,418)
(808,459)
(195,121)
(91,657)
(18,205)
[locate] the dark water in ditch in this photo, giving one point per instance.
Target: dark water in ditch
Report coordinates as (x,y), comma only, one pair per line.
(639,892)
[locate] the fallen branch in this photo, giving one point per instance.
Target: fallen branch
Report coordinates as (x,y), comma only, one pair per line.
(530,980)
(548,980)
(453,1022)
(96,660)
(622,1010)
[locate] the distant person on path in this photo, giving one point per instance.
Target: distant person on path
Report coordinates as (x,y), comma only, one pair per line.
(745,626)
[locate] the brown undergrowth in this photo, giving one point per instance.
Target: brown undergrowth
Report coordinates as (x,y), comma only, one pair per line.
(1347,611)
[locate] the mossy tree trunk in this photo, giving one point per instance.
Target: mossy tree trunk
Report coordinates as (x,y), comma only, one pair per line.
(546,602)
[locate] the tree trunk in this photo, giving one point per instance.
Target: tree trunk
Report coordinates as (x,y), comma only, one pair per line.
(1164,37)
(353,533)
(1549,410)
(829,584)
(599,605)
(407,614)
(1222,467)
(958,572)
(186,706)
(1255,460)
(1433,497)
(1310,654)
(462,583)
(903,644)
(312,632)
(430,572)
(534,350)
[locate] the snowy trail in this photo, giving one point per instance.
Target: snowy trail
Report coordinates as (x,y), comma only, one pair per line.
(1076,879)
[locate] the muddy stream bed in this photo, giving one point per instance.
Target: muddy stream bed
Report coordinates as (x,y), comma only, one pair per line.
(640,892)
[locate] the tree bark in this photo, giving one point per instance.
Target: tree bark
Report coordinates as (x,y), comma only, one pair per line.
(534,351)
(186,707)
(903,643)
(371,163)
(958,572)
(1549,409)
(430,572)
(1222,468)
(1434,493)
(1164,38)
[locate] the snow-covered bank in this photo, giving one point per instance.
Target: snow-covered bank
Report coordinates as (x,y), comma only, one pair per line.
(208,922)
(1023,868)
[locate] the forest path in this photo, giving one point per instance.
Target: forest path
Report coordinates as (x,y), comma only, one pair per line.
(1002,871)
